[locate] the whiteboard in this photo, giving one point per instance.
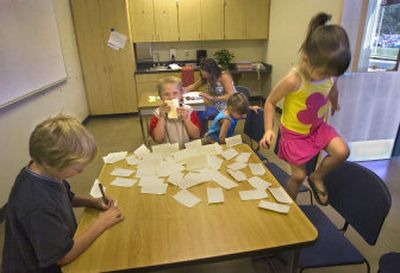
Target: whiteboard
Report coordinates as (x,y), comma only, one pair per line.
(31,57)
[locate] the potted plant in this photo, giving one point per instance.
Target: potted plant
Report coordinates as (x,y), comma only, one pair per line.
(223,58)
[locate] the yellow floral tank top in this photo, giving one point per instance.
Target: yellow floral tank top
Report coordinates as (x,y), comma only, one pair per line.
(305,108)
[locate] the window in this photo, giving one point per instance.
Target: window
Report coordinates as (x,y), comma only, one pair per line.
(381,43)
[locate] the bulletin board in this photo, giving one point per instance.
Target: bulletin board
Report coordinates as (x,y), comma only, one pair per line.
(31,58)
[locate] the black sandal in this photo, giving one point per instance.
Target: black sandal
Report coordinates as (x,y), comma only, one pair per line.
(317,193)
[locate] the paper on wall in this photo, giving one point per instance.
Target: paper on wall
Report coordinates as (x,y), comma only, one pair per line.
(116,40)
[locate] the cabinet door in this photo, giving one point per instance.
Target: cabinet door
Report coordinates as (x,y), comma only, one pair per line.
(166,20)
(235,19)
(257,18)
(189,20)
(212,19)
(114,15)
(142,20)
(92,52)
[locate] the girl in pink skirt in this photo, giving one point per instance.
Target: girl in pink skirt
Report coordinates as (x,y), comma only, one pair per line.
(307,88)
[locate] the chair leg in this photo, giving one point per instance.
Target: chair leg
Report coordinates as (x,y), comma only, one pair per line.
(368,266)
(311,197)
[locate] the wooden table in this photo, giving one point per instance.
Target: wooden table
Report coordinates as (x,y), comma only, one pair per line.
(159,232)
(148,102)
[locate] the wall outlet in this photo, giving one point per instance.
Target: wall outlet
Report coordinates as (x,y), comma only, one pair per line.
(172,53)
(186,53)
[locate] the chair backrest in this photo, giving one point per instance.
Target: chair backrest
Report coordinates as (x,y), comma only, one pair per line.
(360,197)
(3,213)
(254,125)
(243,90)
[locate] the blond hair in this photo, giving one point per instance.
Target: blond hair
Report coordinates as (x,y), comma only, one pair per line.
(60,141)
(168,80)
(238,103)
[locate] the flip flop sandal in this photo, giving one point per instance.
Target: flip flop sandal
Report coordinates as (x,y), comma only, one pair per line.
(317,193)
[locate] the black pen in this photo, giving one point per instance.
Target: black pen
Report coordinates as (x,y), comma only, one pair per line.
(105,200)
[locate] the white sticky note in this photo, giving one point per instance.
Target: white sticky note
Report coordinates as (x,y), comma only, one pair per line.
(95,190)
(215,195)
(257,168)
(237,166)
(253,194)
(155,188)
(141,151)
(123,182)
(173,104)
(280,195)
(121,172)
(237,175)
(243,157)
(232,141)
(114,157)
(259,183)
(175,178)
(214,162)
(193,144)
(149,180)
(186,198)
(229,153)
(132,160)
(274,207)
(222,180)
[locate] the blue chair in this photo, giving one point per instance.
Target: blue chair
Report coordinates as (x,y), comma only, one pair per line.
(363,200)
(389,263)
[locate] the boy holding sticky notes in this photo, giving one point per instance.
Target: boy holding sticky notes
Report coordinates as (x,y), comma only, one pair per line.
(173,122)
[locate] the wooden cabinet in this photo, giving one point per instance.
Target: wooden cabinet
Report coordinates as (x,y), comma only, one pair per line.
(246,19)
(108,73)
(201,20)
(154,20)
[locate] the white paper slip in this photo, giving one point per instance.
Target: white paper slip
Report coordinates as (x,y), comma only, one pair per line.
(215,195)
(95,190)
(197,162)
(121,172)
(237,166)
(243,157)
(280,195)
(141,151)
(114,157)
(237,175)
(222,180)
(169,168)
(253,194)
(214,162)
(116,40)
(232,141)
(175,178)
(192,179)
(259,183)
(155,188)
(165,149)
(257,168)
(149,180)
(186,198)
(144,171)
(123,182)
(173,105)
(229,153)
(132,160)
(181,155)
(193,144)
(274,207)
(212,149)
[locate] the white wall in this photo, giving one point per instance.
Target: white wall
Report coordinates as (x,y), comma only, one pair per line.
(18,120)
(288,24)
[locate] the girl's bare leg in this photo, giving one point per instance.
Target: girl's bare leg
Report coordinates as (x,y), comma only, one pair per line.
(296,179)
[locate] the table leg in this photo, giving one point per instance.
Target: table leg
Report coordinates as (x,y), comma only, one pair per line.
(294,261)
(142,127)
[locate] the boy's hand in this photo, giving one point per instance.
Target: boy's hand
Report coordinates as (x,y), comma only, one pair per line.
(100,205)
(267,139)
(183,113)
(164,109)
(110,217)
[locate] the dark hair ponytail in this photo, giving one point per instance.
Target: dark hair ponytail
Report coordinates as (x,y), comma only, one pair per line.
(327,46)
